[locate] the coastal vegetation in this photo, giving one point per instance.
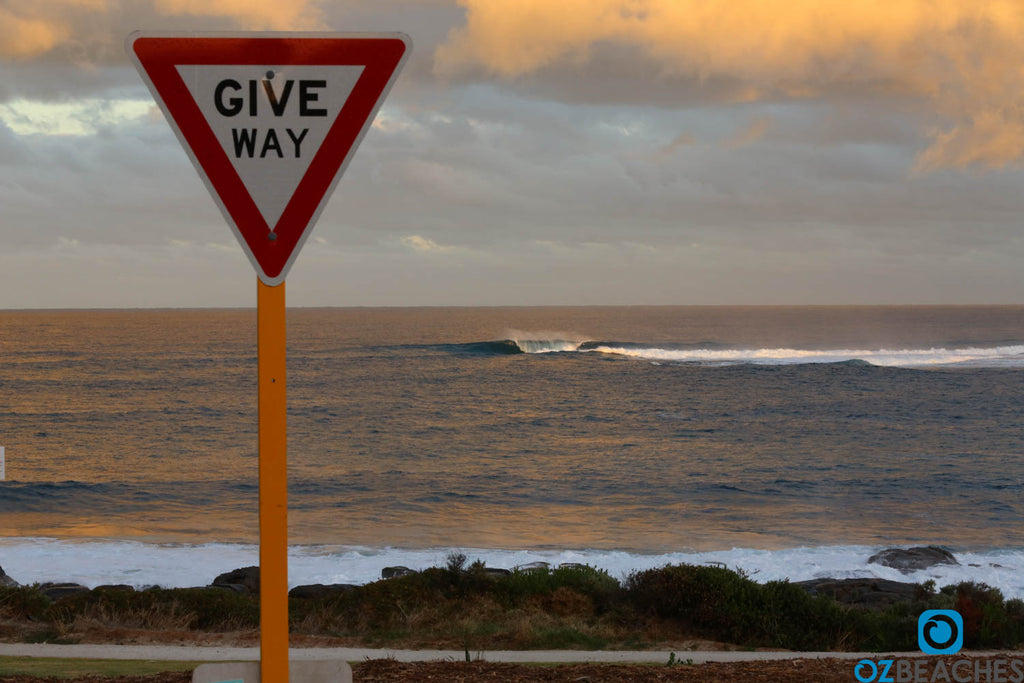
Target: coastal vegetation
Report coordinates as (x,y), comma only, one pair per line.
(472,607)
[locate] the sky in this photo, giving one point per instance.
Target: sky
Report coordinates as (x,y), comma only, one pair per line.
(580,152)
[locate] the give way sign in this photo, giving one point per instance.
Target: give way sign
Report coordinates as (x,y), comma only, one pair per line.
(270,121)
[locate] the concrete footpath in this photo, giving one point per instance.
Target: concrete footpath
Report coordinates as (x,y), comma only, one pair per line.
(241,654)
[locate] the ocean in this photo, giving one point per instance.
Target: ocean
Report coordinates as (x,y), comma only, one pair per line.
(789,442)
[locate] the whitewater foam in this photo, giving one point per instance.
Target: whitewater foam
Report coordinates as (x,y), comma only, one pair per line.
(32,560)
(545,342)
(1002,356)
(1008,356)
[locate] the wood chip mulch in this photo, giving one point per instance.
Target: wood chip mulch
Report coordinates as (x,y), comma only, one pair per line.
(820,671)
(390,671)
(776,671)
(169,677)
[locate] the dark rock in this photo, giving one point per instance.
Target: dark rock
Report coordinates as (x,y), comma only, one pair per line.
(870,593)
(7,581)
(909,560)
(496,571)
(395,572)
(116,587)
(248,577)
(56,591)
(234,587)
(319,591)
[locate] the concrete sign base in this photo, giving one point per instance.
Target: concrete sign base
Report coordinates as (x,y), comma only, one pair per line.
(328,671)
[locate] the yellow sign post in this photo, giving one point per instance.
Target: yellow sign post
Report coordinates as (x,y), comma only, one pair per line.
(273,482)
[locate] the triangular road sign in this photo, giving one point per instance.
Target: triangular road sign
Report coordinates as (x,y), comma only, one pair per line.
(270,121)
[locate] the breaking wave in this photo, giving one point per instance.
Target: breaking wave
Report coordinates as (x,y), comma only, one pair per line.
(714,354)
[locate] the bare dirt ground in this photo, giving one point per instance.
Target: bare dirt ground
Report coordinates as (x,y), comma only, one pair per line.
(390,671)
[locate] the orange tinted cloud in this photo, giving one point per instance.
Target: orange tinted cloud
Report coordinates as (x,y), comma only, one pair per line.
(31,28)
(750,38)
(964,57)
(27,31)
(249,14)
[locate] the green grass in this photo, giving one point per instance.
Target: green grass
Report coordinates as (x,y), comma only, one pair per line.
(69,668)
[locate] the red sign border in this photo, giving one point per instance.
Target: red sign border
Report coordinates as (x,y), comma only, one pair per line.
(157,56)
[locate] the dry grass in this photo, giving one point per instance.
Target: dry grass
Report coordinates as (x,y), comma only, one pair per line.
(172,617)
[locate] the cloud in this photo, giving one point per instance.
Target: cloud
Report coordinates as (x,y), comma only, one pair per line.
(92,31)
(62,49)
(26,36)
(991,139)
(963,60)
(78,117)
(419,243)
(677,143)
(752,133)
(249,14)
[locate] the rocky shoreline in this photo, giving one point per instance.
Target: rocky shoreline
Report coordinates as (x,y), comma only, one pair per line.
(872,592)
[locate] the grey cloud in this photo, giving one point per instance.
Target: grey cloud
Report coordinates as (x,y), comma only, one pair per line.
(132,185)
(62,82)
(592,189)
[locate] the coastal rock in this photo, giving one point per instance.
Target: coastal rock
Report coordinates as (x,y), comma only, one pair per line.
(7,581)
(234,587)
(246,577)
(395,572)
(867,593)
(56,591)
(113,587)
(532,567)
(496,571)
(319,591)
(909,560)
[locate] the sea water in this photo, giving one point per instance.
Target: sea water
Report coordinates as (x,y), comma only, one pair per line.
(790,442)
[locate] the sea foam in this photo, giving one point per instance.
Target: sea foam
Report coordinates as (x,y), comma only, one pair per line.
(1010,356)
(1001,357)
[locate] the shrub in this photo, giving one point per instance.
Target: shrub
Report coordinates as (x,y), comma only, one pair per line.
(23,602)
(602,589)
(989,621)
(724,605)
(796,620)
(712,601)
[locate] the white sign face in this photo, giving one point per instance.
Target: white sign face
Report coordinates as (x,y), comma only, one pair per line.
(270,121)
